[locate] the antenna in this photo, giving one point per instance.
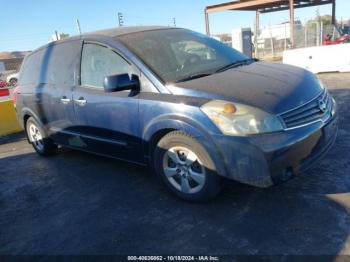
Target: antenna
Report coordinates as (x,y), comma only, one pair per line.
(78,26)
(120,19)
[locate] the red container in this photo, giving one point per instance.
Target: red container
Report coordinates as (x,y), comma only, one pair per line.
(4,92)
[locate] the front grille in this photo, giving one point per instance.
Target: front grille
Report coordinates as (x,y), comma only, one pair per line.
(318,108)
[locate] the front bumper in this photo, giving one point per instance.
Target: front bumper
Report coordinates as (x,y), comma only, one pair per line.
(267,159)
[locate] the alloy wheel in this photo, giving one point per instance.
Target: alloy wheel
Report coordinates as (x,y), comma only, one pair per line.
(36,137)
(184,170)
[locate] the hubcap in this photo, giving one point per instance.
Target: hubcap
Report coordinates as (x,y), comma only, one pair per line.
(13,82)
(184,170)
(35,137)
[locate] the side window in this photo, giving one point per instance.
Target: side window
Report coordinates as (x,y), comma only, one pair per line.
(31,69)
(98,62)
(60,61)
(146,85)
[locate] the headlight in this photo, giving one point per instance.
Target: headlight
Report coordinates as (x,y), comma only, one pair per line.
(240,120)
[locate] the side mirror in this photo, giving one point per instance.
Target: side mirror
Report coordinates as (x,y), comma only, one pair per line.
(115,83)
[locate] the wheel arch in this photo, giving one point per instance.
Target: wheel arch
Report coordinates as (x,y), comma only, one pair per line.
(26,113)
(160,127)
(25,119)
(157,136)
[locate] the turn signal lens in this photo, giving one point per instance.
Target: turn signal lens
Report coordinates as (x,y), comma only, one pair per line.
(230,109)
(241,120)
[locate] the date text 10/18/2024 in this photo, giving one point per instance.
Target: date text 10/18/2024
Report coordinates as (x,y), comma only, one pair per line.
(173,258)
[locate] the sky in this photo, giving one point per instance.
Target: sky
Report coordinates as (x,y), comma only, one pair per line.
(28,24)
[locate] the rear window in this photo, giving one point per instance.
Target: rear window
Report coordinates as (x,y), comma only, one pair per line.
(56,64)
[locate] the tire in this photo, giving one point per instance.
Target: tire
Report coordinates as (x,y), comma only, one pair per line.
(36,135)
(186,168)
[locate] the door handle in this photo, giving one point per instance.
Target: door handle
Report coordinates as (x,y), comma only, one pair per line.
(81,101)
(65,100)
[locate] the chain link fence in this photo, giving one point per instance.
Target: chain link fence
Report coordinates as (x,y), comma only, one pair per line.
(273,40)
(9,66)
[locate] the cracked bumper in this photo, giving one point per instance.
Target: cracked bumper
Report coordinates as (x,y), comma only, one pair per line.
(267,159)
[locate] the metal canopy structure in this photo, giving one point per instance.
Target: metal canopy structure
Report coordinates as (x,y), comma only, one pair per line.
(266,6)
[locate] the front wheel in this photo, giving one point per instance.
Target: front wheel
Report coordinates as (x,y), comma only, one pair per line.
(42,144)
(186,167)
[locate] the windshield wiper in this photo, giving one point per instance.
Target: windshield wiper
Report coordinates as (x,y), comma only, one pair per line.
(194,76)
(236,64)
(224,68)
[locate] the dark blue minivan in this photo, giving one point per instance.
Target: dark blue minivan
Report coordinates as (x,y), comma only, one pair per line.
(193,109)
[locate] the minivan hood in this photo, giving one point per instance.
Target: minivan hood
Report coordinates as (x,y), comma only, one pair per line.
(273,87)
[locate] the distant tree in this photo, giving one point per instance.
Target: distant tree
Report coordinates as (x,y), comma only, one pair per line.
(224,37)
(318,16)
(326,19)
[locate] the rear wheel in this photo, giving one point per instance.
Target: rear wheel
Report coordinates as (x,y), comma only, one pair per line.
(37,137)
(186,167)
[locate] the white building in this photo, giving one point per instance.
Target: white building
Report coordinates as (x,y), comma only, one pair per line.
(277,32)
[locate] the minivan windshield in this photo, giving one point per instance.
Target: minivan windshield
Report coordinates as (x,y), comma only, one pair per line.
(178,55)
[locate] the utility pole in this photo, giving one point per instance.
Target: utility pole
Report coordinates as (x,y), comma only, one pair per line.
(120,19)
(291,22)
(174,21)
(256,33)
(78,26)
(207,28)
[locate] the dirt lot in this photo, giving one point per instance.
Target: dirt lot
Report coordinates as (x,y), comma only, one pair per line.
(75,203)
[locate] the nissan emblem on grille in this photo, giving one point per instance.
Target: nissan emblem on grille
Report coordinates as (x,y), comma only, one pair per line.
(309,112)
(322,105)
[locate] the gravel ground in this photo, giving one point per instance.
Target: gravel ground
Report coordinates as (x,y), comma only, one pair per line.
(76,203)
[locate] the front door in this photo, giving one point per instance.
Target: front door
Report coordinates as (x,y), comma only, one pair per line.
(108,123)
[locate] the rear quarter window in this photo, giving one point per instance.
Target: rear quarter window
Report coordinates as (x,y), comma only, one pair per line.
(55,64)
(30,70)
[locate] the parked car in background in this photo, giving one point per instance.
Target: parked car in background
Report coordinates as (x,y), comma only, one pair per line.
(12,79)
(194,109)
(3,84)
